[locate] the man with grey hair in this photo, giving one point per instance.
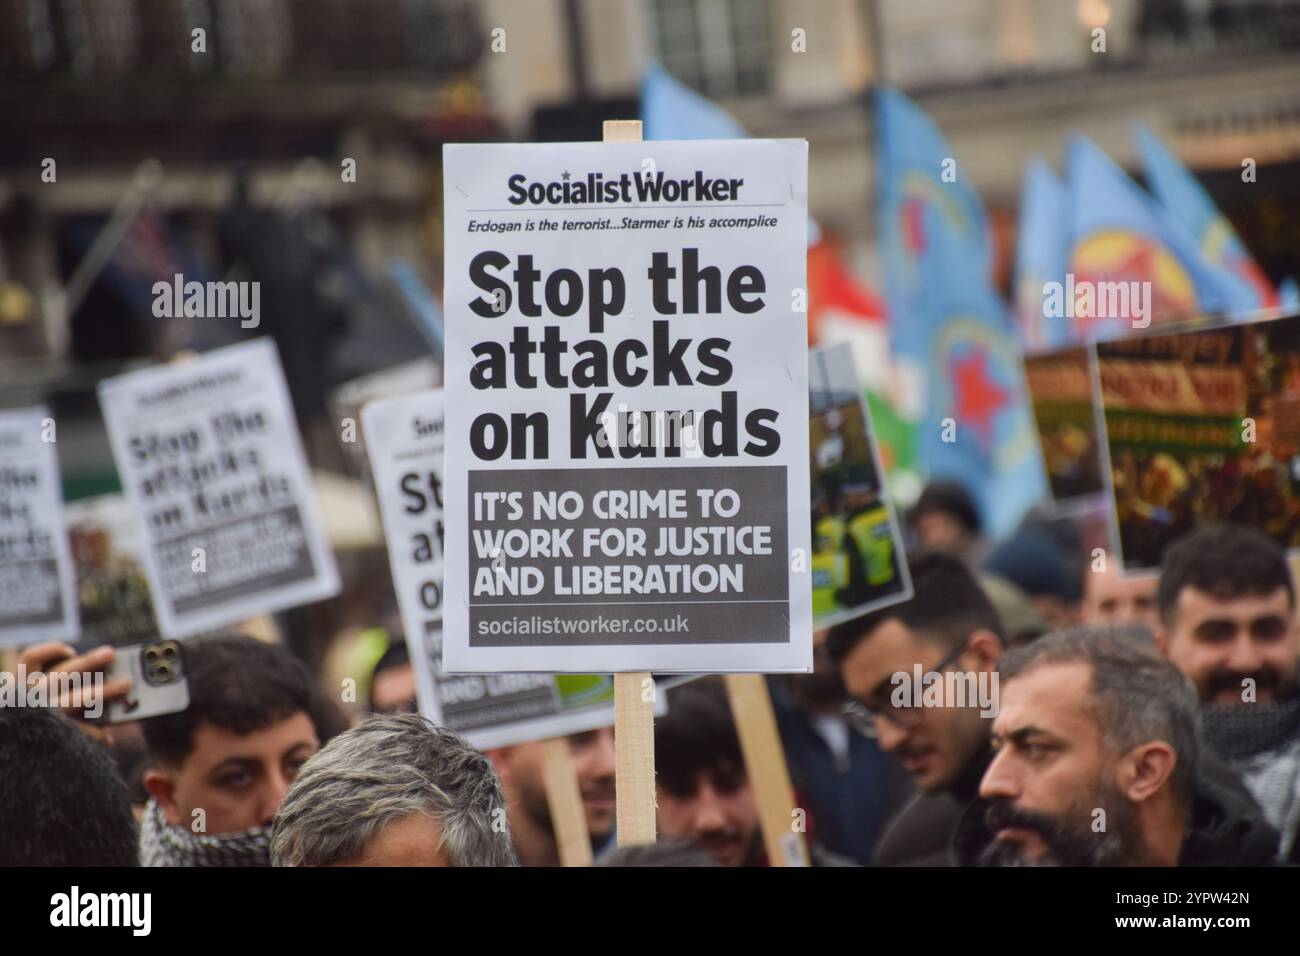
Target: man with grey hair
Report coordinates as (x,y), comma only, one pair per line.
(1097,762)
(394,791)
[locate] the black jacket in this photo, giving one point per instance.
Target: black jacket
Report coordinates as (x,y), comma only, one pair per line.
(922,833)
(1227,829)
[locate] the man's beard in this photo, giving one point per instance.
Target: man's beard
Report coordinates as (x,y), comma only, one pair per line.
(1265,679)
(728,840)
(537,807)
(1072,843)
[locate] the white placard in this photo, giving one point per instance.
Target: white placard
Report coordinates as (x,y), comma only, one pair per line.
(37,594)
(213,467)
(346,401)
(405,445)
(627,405)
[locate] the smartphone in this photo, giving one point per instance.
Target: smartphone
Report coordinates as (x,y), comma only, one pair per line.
(159,686)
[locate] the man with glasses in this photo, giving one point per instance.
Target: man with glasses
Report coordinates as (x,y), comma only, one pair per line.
(952,634)
(1227,609)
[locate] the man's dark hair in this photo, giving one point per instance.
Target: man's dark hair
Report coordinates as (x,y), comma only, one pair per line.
(664,853)
(237,683)
(62,802)
(947,606)
(395,655)
(1225,561)
(696,735)
(1136,695)
(950,497)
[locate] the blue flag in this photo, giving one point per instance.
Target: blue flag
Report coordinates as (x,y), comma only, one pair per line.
(421,302)
(951,332)
(1131,265)
(1041,253)
(1188,204)
(672,110)
(1288,295)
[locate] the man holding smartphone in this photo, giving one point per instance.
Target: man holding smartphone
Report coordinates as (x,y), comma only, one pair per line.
(78,680)
(218,769)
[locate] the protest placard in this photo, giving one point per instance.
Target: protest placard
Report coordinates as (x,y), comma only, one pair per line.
(212,465)
(108,562)
(857,560)
(406,441)
(346,401)
(626,373)
(1202,426)
(36,581)
(1060,392)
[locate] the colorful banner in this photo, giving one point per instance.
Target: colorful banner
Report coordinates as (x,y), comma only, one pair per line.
(1060,390)
(1202,427)
(842,310)
(858,563)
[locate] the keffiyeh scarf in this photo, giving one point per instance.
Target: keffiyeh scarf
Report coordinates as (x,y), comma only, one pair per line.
(162,844)
(1262,743)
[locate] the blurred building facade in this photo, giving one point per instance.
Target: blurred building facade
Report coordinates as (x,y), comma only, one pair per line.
(1004,79)
(253,108)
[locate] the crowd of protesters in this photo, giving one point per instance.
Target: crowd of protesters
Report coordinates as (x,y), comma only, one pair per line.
(1137,720)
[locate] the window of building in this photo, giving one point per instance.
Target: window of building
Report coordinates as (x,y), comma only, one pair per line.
(719,47)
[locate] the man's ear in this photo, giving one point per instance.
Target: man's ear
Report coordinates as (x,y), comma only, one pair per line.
(161,785)
(983,650)
(1162,640)
(1146,769)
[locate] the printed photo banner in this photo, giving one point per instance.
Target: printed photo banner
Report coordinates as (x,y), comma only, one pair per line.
(1202,427)
(857,561)
(1061,393)
(37,594)
(213,467)
(108,559)
(406,445)
(626,379)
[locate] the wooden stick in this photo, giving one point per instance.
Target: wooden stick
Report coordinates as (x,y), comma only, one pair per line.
(751,708)
(634,721)
(622,131)
(634,758)
(562,794)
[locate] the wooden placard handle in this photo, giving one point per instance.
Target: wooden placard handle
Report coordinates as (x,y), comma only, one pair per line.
(634,758)
(565,801)
(769,776)
(634,721)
